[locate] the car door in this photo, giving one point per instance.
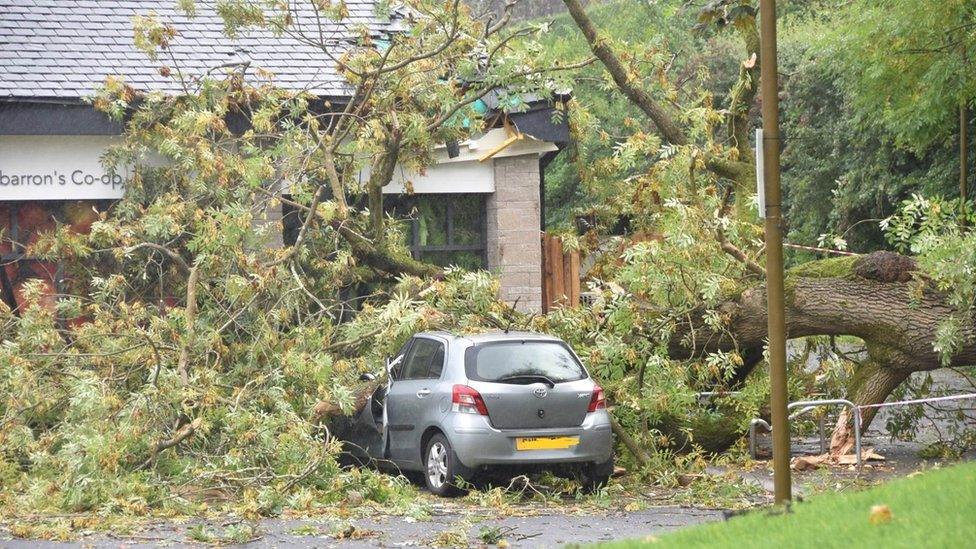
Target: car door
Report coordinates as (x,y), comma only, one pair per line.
(410,396)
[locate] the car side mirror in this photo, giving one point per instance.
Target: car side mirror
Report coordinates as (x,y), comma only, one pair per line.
(367,377)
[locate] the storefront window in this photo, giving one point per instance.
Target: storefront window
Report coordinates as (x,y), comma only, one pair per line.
(444,229)
(21,225)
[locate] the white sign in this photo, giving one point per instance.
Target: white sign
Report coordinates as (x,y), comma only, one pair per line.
(472,171)
(57,167)
(454,177)
(760,174)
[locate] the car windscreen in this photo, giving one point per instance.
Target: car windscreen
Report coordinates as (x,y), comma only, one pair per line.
(523,361)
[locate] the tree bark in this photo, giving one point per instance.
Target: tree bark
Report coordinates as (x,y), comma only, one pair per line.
(379,177)
(382,259)
(873,381)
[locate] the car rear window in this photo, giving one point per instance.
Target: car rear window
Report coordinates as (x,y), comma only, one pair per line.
(522,362)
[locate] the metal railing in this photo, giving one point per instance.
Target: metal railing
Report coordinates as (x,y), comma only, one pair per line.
(807,406)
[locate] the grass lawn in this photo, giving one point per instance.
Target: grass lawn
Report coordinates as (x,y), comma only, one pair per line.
(933,509)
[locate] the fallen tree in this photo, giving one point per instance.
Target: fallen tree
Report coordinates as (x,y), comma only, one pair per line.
(191,357)
(877,297)
(204,365)
(711,313)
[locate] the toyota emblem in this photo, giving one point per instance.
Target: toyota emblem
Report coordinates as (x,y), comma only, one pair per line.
(540,392)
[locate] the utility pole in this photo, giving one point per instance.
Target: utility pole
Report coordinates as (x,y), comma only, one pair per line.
(774,252)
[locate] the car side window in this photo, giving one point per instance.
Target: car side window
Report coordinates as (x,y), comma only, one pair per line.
(419,358)
(436,363)
(397,372)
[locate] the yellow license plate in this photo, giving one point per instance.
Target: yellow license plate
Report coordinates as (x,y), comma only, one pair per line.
(545,443)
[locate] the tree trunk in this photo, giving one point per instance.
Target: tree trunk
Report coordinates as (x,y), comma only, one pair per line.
(872,382)
(381,175)
(875,297)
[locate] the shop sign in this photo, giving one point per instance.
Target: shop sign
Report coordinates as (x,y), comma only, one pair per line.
(60,167)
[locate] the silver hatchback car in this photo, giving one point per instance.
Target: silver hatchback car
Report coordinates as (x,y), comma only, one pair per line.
(457,405)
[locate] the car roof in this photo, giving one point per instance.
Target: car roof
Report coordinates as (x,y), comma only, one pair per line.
(493,335)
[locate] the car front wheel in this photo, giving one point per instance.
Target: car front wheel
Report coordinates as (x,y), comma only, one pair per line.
(441,467)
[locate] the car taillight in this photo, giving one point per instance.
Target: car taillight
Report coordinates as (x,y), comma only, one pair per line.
(466,400)
(598,400)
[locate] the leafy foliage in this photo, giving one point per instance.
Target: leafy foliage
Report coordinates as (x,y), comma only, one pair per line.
(946,252)
(610,145)
(82,417)
(846,164)
(910,68)
(195,363)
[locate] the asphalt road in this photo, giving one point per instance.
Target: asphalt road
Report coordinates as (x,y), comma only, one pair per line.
(547,527)
(544,530)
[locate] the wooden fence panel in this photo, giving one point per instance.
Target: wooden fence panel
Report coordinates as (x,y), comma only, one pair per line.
(560,274)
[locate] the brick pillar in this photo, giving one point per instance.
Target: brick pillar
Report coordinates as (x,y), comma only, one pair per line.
(514,245)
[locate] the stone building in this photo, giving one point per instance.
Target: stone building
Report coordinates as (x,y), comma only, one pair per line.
(478,207)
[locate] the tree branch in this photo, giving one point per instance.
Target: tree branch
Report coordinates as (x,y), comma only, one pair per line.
(485,91)
(184,433)
(622,77)
(742,173)
(338,193)
(380,175)
(728,247)
(164,250)
(190,315)
(383,260)
(743,93)
(316,199)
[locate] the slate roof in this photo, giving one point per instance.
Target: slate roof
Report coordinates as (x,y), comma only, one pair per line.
(64,49)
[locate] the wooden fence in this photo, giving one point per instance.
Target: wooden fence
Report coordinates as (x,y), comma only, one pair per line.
(560,274)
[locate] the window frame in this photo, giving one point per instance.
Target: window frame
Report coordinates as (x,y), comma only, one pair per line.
(430,366)
(18,248)
(417,250)
(398,369)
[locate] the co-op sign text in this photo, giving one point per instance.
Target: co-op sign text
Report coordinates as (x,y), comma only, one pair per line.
(77,177)
(57,168)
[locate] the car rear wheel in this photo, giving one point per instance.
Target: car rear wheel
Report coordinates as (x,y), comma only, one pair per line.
(596,475)
(441,467)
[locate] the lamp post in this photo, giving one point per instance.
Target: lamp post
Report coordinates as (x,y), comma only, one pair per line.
(774,251)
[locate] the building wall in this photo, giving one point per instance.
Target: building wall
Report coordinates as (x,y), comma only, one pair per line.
(514,238)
